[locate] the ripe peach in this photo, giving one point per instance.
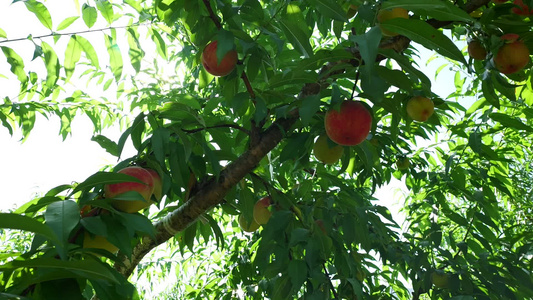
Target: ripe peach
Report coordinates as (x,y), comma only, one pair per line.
(350,125)
(261,212)
(326,154)
(388,14)
(145,189)
(158,184)
(420,108)
(218,67)
(476,50)
(511,57)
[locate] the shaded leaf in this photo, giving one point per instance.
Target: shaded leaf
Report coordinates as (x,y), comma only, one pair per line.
(424,34)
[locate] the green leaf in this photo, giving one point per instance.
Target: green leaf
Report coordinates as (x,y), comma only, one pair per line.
(474,141)
(139,223)
(115,58)
(309,107)
(66,23)
(395,77)
(90,53)
(489,92)
(20,222)
(29,208)
(295,146)
(135,52)
(89,15)
(3,34)
(298,273)
(508,121)
(16,63)
(104,142)
(40,11)
(62,217)
(160,44)
(251,10)
(295,29)
(52,65)
(72,56)
(90,268)
(440,10)
(106,10)
(330,9)
(100,178)
(424,34)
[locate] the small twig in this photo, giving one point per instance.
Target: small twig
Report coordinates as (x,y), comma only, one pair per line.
(248,86)
(335,295)
(235,126)
(355,83)
(212,14)
(75,33)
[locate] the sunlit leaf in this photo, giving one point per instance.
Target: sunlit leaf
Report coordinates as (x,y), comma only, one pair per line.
(40,11)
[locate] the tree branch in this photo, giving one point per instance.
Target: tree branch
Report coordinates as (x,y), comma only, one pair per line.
(210,194)
(75,33)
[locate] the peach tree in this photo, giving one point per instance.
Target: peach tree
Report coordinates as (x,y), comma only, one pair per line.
(221,143)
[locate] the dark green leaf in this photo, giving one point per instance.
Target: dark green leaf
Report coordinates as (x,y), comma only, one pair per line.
(15,221)
(104,142)
(330,9)
(508,121)
(424,34)
(89,267)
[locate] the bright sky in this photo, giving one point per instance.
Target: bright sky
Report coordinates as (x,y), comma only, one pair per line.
(44,160)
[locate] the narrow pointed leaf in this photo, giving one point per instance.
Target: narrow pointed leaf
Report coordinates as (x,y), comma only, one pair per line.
(89,51)
(424,34)
(62,217)
(72,56)
(115,58)
(20,222)
(135,52)
(52,65)
(40,11)
(66,23)
(106,9)
(16,63)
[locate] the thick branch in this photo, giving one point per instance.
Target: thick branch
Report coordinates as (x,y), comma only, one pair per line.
(211,194)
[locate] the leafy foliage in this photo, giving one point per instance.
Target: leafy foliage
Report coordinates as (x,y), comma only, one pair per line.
(222,143)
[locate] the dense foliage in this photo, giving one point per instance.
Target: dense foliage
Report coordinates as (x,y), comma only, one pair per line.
(222,143)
